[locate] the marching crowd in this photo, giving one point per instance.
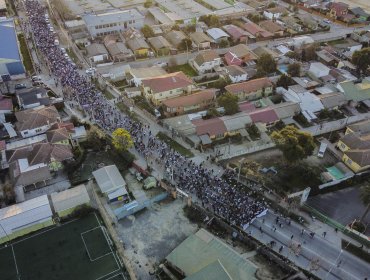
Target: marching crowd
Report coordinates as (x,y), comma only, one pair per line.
(219,194)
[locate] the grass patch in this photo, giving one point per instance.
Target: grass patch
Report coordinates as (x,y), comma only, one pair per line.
(142,103)
(186,68)
(174,145)
(357,251)
(108,95)
(27,62)
(337,42)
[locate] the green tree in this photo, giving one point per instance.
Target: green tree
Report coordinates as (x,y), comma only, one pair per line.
(224,43)
(294,69)
(95,139)
(185,44)
(361,59)
(121,139)
(365,197)
(271,5)
(148,3)
(284,81)
(295,144)
(147,31)
(210,20)
(229,102)
(265,65)
(175,27)
(309,52)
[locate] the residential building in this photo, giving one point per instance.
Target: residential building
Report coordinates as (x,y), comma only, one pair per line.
(6,105)
(338,10)
(25,217)
(65,202)
(291,24)
(206,61)
(210,129)
(117,50)
(97,53)
(355,92)
(257,31)
(160,45)
(272,27)
(261,50)
(309,21)
(236,73)
(333,100)
(327,58)
(360,14)
(36,121)
(237,35)
(77,30)
(176,37)
(112,22)
(243,53)
(318,70)
(232,59)
(160,16)
(217,35)
(11,66)
(357,160)
(58,136)
(138,46)
(165,87)
(251,90)
(136,75)
(33,97)
(309,102)
(201,40)
(189,103)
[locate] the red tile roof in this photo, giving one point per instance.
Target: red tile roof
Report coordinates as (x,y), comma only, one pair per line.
(249,86)
(247,107)
(211,127)
(234,31)
(167,82)
(6,103)
(267,115)
(232,59)
(256,30)
(192,99)
(339,8)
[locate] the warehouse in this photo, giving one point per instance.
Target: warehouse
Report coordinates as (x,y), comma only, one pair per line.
(25,217)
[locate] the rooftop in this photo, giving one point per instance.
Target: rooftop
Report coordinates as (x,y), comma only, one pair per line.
(167,82)
(192,99)
(249,86)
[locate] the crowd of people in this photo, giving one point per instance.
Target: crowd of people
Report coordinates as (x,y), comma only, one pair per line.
(218,194)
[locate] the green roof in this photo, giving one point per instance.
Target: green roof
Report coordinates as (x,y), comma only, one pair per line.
(202,251)
(356,92)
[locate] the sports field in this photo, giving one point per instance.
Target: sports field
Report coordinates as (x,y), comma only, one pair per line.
(80,249)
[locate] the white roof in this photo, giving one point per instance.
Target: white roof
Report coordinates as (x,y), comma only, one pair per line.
(307,101)
(25,214)
(9,128)
(318,69)
(216,33)
(283,49)
(109,179)
(70,198)
(117,193)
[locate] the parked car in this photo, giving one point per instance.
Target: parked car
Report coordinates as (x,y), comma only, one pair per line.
(20,86)
(157,113)
(139,177)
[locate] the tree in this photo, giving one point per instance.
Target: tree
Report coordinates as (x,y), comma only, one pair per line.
(121,139)
(148,3)
(147,31)
(175,27)
(271,5)
(309,52)
(185,45)
(365,197)
(229,102)
(265,65)
(74,120)
(224,43)
(361,59)
(210,20)
(295,144)
(284,81)
(294,69)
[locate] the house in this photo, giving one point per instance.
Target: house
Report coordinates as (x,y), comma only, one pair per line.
(25,217)
(217,35)
(327,58)
(342,75)
(231,59)
(318,70)
(251,90)
(97,53)
(309,21)
(67,201)
(261,50)
(355,92)
(309,102)
(201,40)
(176,37)
(236,73)
(111,183)
(332,100)
(357,160)
(6,105)
(338,10)
(360,14)
(240,52)
(135,75)
(257,31)
(210,129)
(138,46)
(117,50)
(167,86)
(112,22)
(33,97)
(204,256)
(275,12)
(237,35)
(160,45)
(36,121)
(291,24)
(189,103)
(206,61)
(58,136)
(132,92)
(272,27)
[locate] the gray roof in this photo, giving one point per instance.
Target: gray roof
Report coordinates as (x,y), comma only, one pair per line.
(109,178)
(70,198)
(199,37)
(137,44)
(235,70)
(236,122)
(96,49)
(112,17)
(175,37)
(118,48)
(332,100)
(159,42)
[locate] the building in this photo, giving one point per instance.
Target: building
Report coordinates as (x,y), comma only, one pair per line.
(257,31)
(117,50)
(206,61)
(189,103)
(217,35)
(139,46)
(11,66)
(176,37)
(160,45)
(111,183)
(318,70)
(65,202)
(6,105)
(360,14)
(272,27)
(25,217)
(237,35)
(136,75)
(291,24)
(77,30)
(204,256)
(251,90)
(33,97)
(201,40)
(97,53)
(338,10)
(327,58)
(355,92)
(236,73)
(36,121)
(210,129)
(309,21)
(112,22)
(275,13)
(332,100)
(168,86)
(243,53)
(309,102)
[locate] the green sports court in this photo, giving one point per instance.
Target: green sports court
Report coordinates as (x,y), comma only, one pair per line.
(80,249)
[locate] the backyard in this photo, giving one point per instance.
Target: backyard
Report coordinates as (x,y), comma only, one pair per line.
(186,68)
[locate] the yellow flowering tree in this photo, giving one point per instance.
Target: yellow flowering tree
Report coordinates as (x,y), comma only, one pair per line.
(121,139)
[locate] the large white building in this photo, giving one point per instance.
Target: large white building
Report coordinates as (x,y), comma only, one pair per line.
(25,217)
(113,22)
